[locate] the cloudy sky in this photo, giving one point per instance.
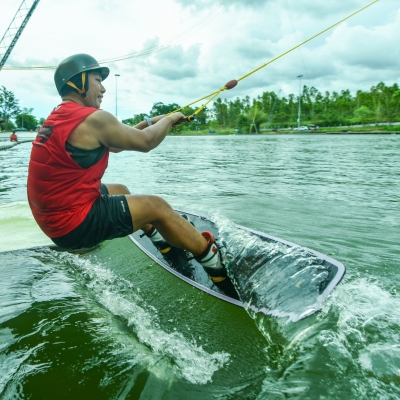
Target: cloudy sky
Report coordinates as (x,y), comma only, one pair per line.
(181,50)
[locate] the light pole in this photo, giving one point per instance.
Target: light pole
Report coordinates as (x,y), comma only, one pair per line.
(298,118)
(116,95)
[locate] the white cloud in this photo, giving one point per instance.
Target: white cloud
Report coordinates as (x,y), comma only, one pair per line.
(375,48)
(240,4)
(175,64)
(196,47)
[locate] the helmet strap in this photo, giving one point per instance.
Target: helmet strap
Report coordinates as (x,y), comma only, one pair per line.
(82,91)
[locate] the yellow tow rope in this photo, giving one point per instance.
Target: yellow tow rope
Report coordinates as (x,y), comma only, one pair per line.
(231,84)
(253,123)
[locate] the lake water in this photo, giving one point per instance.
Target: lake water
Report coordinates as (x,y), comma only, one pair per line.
(114,325)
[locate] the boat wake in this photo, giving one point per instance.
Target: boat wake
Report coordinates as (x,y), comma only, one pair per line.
(123,300)
(58,297)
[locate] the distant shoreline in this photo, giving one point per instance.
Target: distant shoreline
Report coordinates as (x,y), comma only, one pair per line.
(188,133)
(27,136)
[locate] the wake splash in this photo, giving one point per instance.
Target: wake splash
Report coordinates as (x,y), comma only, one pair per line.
(271,277)
(48,293)
(356,334)
(118,296)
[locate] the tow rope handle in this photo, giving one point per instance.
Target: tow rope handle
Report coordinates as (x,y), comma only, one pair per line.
(183,120)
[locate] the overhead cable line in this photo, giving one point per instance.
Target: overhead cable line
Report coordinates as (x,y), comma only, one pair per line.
(150,50)
(232,83)
(199,25)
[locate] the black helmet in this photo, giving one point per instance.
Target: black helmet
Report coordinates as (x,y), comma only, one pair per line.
(74,65)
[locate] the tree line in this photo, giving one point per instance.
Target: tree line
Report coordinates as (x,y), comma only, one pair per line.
(13,116)
(269,110)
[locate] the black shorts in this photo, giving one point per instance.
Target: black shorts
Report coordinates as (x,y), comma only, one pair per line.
(108,218)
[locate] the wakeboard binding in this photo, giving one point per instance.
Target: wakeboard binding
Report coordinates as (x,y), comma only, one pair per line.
(210,259)
(162,246)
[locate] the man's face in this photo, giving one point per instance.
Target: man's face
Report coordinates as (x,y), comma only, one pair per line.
(96,90)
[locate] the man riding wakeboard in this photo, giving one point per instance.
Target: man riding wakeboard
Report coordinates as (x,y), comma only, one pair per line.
(69,157)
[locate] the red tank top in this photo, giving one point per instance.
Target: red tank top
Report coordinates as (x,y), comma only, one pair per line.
(60,192)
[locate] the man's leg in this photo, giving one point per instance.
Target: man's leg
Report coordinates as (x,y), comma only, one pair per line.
(152,210)
(176,230)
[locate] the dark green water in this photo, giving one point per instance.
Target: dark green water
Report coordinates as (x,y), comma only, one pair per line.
(113,325)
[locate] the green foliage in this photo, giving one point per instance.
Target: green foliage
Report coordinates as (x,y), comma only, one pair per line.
(256,117)
(213,124)
(269,110)
(161,108)
(380,104)
(243,122)
(390,128)
(362,114)
(322,109)
(25,119)
(8,126)
(199,122)
(9,107)
(135,120)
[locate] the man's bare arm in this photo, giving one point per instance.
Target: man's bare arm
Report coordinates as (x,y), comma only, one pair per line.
(143,124)
(108,131)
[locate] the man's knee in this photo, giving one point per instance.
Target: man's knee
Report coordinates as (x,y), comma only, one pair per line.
(158,205)
(156,209)
(124,189)
(148,210)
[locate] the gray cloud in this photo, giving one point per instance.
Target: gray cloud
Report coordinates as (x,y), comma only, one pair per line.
(206,4)
(211,42)
(294,7)
(255,49)
(176,63)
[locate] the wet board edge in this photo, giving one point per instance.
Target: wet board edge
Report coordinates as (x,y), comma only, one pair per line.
(184,278)
(321,298)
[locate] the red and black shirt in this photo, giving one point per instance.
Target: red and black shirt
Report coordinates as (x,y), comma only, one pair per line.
(60,192)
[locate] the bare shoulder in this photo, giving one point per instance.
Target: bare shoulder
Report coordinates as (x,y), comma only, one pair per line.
(100,120)
(87,135)
(110,132)
(100,124)
(104,129)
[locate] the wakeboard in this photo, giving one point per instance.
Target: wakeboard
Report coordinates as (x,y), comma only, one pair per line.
(271,275)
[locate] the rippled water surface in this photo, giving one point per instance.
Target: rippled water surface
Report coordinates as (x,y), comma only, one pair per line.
(113,325)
